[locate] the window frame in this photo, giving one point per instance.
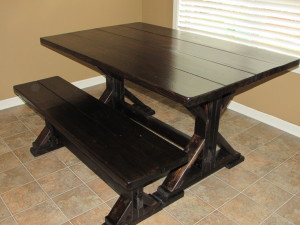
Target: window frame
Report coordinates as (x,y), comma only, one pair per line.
(174,26)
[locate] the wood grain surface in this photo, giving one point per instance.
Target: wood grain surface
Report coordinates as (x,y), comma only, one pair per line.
(188,68)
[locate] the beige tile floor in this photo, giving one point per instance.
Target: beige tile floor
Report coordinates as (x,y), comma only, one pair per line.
(57,188)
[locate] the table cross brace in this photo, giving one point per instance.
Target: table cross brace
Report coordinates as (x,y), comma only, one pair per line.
(203,156)
(204,159)
(115,93)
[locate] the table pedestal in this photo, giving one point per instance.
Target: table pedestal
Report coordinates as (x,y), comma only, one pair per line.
(208,151)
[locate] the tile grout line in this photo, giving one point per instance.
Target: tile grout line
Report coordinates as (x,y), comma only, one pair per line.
(29,127)
(267,142)
(216,209)
(245,129)
(164,209)
(197,196)
(105,202)
(44,200)
(231,219)
(36,179)
(8,211)
(20,132)
(255,149)
(42,190)
(67,190)
(12,189)
(80,214)
(170,214)
(205,216)
(28,130)
(280,163)
(274,212)
(4,142)
(242,192)
(22,164)
(10,150)
(22,211)
(239,192)
(22,146)
(83,183)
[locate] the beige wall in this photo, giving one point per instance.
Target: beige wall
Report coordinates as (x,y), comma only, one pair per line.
(22,23)
(279,97)
(23,59)
(158,12)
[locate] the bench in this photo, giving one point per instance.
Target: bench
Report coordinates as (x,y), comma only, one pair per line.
(126,155)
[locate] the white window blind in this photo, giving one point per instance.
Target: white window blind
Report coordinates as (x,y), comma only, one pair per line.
(269,24)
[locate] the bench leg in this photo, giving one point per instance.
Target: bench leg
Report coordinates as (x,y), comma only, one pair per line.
(133,207)
(45,142)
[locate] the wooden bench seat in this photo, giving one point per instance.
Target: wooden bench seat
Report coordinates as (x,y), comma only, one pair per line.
(120,151)
(126,150)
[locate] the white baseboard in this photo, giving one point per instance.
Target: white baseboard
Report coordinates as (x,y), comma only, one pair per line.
(266,118)
(89,82)
(260,116)
(296,70)
(10,102)
(15,101)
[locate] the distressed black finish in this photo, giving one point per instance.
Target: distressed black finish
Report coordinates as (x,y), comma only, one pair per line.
(201,73)
(47,141)
(188,68)
(127,150)
(123,153)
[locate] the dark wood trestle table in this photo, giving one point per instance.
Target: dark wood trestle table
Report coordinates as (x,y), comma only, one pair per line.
(199,72)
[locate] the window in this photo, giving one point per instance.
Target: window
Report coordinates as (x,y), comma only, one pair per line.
(269,24)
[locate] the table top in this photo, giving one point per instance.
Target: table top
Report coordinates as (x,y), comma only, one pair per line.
(185,67)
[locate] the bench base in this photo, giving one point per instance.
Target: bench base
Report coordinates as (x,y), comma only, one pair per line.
(138,206)
(135,206)
(66,105)
(131,207)
(45,142)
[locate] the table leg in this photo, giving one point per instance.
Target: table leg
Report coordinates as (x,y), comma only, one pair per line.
(115,93)
(204,157)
